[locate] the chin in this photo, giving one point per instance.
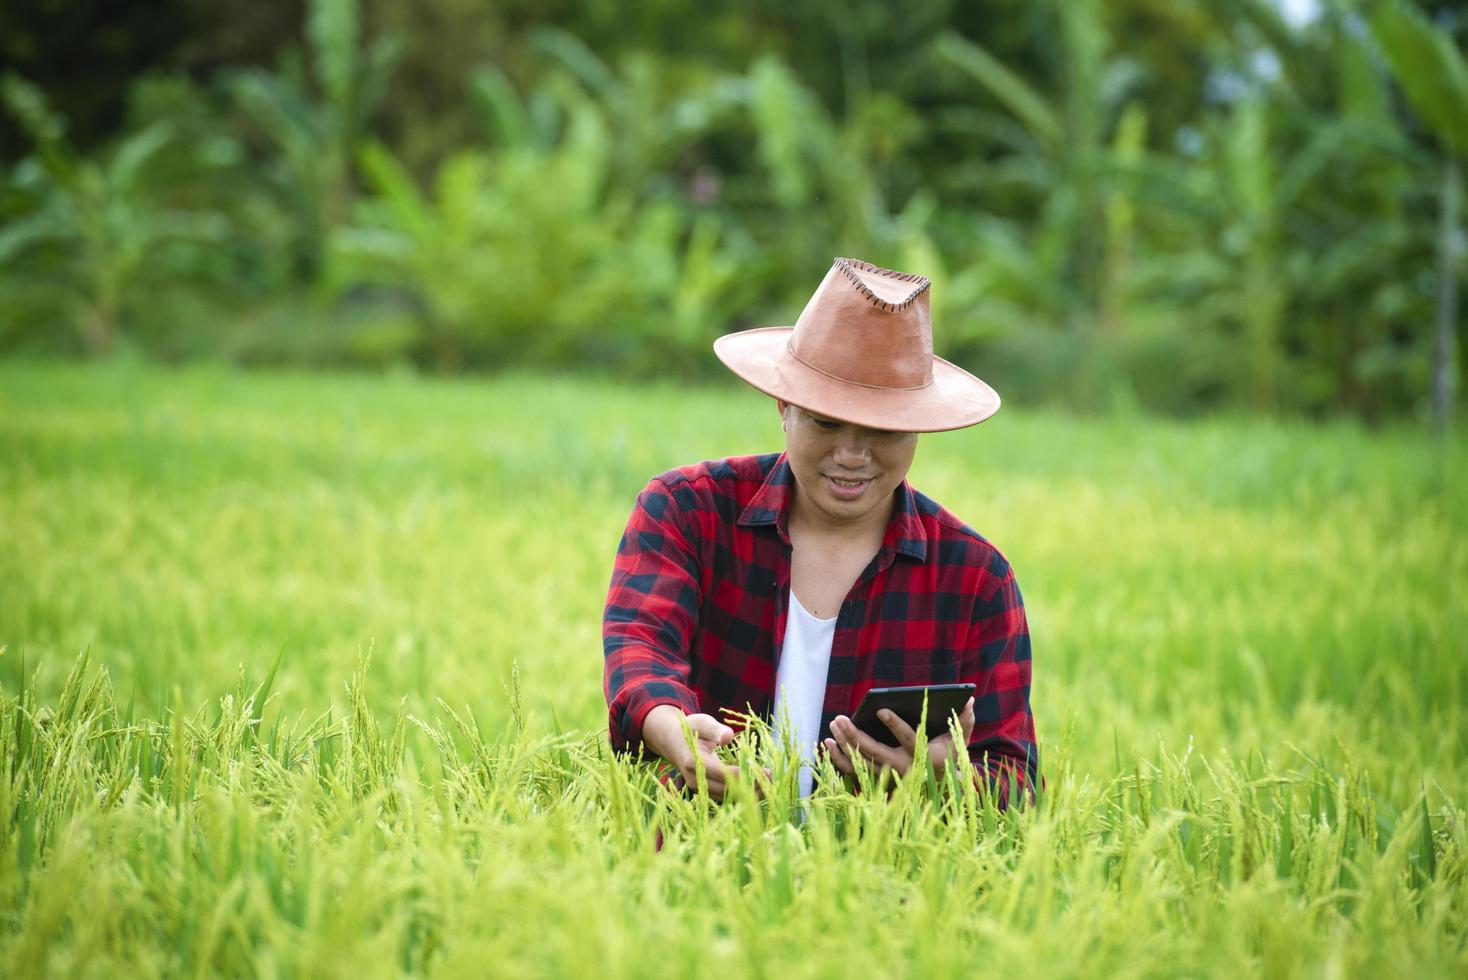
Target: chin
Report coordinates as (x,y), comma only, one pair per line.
(849,508)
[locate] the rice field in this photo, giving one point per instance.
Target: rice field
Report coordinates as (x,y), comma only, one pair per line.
(302,677)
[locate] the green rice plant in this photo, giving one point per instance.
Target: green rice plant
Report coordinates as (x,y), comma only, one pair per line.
(1248,697)
(226,856)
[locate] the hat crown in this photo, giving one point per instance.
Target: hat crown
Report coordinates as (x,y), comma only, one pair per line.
(868,326)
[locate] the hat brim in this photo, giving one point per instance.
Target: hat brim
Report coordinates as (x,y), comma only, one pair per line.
(954,400)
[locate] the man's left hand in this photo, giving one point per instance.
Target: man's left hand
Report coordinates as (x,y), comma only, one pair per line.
(850,742)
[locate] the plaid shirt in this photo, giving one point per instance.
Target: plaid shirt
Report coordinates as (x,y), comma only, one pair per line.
(695,615)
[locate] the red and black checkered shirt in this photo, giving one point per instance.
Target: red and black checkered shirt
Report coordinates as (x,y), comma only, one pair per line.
(695,615)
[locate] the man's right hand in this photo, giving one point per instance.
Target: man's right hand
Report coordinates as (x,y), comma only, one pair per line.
(665,731)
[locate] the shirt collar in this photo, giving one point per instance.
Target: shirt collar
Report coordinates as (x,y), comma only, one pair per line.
(770,507)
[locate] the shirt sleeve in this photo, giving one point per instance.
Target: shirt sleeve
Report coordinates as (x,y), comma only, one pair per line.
(650,617)
(1002,745)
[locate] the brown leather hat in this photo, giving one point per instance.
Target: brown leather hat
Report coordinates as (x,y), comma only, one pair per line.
(862,352)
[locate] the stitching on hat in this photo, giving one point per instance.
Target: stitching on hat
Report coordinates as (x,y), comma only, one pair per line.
(848,268)
(790,349)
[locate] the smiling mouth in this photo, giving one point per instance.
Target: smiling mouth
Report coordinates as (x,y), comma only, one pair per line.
(844,489)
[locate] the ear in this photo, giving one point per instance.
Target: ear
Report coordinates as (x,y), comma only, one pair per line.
(784,422)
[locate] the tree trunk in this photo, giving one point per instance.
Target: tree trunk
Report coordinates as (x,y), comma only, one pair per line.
(1444,355)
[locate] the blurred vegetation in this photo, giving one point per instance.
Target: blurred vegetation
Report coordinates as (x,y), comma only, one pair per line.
(1177,206)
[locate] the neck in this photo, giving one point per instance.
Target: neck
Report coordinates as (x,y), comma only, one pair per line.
(806,518)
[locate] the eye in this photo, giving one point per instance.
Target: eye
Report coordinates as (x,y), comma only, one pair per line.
(826,423)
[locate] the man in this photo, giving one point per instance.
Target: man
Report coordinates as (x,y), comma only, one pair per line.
(790,584)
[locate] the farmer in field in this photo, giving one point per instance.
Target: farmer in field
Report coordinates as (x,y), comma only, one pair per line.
(791,583)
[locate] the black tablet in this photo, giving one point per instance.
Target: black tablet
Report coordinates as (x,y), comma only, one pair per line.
(907,702)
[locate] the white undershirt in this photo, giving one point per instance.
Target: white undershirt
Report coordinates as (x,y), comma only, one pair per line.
(800,683)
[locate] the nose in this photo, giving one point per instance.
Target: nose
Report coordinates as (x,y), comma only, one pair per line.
(853,449)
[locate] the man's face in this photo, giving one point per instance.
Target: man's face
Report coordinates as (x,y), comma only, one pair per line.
(844,472)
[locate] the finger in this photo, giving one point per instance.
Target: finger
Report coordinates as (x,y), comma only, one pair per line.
(841,729)
(717,775)
(716,768)
(728,776)
(857,742)
(906,737)
(710,729)
(839,758)
(685,781)
(848,736)
(943,750)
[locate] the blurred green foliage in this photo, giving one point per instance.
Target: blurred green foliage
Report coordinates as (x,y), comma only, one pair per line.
(1177,206)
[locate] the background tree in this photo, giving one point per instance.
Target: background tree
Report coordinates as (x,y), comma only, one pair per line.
(1434,78)
(317,123)
(1186,207)
(100,229)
